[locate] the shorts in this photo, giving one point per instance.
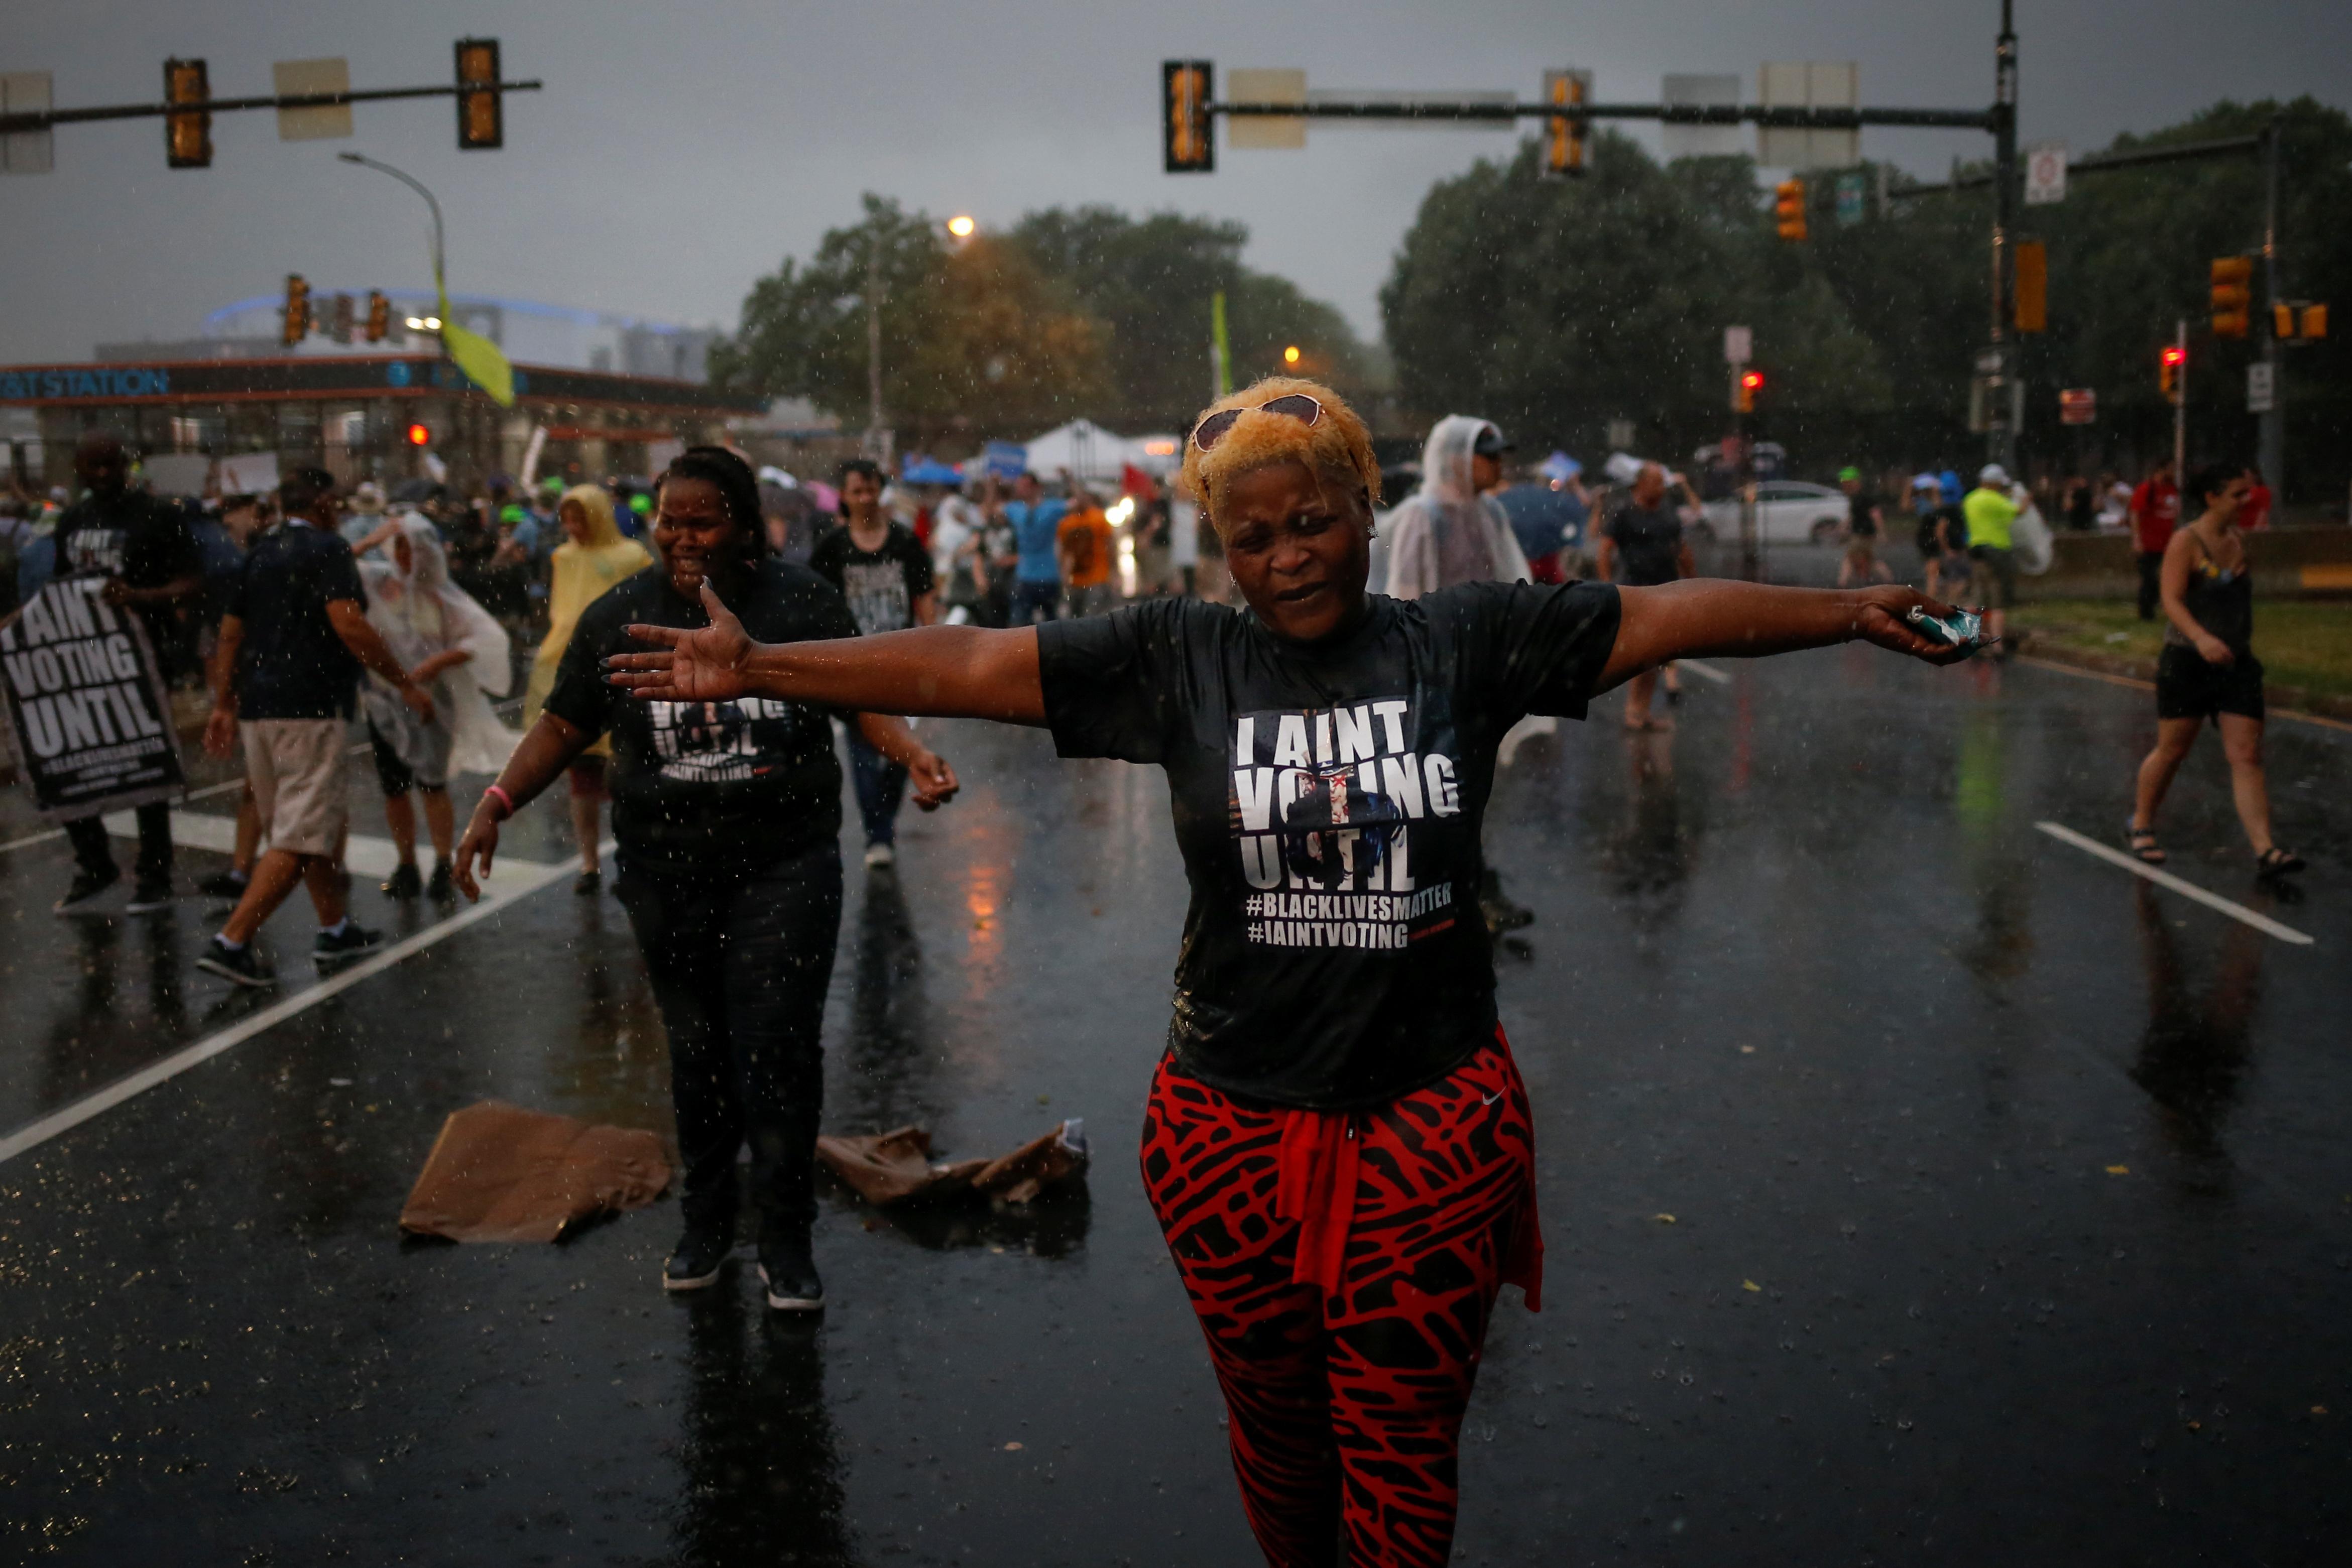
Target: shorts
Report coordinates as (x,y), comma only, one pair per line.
(396,777)
(296,769)
(1992,579)
(2189,688)
(586,775)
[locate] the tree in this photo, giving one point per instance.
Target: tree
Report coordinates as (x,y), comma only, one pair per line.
(974,340)
(1151,281)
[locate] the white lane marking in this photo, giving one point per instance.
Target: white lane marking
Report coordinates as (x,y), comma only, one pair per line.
(2135,683)
(206,793)
(2262,923)
(1721,677)
(34,1134)
(363,855)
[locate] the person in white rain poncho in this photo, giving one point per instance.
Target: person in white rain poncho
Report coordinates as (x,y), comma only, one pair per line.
(1450,530)
(456,651)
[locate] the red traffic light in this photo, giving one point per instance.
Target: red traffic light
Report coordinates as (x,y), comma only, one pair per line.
(1752,382)
(2176,356)
(418,436)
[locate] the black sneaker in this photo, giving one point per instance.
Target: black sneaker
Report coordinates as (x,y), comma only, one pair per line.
(223,884)
(237,965)
(438,887)
(355,942)
(788,1272)
(588,884)
(86,888)
(153,893)
(404,882)
(694,1263)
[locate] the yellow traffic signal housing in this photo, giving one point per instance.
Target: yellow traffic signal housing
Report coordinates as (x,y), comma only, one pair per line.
(2315,323)
(1564,133)
(379,315)
(296,323)
(481,109)
(2167,373)
(2032,287)
(187,138)
(1788,209)
(1187,145)
(2233,294)
(1751,383)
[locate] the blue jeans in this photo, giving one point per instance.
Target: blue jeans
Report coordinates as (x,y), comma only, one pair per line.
(1031,598)
(881,789)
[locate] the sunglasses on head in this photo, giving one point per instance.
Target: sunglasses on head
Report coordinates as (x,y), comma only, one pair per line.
(1291,405)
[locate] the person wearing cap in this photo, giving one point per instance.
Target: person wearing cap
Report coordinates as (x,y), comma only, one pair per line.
(1990,512)
(1452,530)
(366,514)
(1337,1143)
(1864,525)
(1941,527)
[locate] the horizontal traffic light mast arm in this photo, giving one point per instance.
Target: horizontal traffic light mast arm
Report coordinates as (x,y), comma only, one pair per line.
(2100,162)
(43,120)
(1782,118)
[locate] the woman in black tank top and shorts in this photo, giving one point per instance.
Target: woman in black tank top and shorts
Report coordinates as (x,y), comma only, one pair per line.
(2208,669)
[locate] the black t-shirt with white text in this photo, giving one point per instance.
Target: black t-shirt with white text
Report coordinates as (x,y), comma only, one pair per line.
(703,787)
(1327,799)
(133,535)
(881,585)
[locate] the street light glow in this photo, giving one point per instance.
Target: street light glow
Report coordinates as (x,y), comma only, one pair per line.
(960,225)
(1290,355)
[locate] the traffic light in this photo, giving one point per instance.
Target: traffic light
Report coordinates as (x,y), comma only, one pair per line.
(419,437)
(187,138)
(2032,292)
(2233,294)
(1751,383)
(2169,368)
(379,317)
(1564,133)
(2315,323)
(295,325)
(1789,208)
(1186,144)
(482,110)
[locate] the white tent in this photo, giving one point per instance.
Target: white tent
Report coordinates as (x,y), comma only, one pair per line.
(1094,454)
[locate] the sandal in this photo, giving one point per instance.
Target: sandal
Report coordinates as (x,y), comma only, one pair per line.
(2276,861)
(2143,845)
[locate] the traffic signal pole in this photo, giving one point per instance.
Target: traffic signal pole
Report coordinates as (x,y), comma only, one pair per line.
(2000,434)
(2271,435)
(44,119)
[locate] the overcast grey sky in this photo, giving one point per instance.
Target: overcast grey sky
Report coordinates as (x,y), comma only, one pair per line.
(681,149)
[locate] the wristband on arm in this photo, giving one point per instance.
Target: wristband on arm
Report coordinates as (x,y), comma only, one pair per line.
(506,800)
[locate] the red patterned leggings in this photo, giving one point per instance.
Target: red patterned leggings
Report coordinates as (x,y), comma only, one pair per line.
(1346,1403)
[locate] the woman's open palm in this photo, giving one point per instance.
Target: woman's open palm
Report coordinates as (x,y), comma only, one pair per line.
(703,665)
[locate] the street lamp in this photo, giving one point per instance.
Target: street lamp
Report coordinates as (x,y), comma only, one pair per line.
(417,186)
(1290,355)
(961,226)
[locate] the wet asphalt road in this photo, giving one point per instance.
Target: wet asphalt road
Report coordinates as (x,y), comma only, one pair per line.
(2011,1203)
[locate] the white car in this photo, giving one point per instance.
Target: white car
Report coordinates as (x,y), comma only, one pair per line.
(1787,512)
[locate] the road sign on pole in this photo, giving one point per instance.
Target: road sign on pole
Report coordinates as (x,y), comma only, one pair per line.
(1852,198)
(2078,405)
(1739,345)
(2045,174)
(305,79)
(1814,84)
(2262,387)
(26,152)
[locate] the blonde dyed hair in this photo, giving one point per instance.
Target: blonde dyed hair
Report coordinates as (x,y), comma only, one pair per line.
(1335,447)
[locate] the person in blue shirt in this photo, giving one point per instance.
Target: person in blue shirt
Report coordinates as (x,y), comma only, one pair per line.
(1037,520)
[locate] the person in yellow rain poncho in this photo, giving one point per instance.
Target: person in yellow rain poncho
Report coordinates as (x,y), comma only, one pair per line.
(588,565)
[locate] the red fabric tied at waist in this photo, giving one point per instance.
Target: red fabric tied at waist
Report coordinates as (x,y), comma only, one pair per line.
(1322,1153)
(1316,1187)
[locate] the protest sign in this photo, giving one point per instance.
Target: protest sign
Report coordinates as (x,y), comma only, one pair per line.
(88,711)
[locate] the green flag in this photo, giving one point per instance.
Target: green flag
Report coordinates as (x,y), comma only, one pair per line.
(476,355)
(1221,354)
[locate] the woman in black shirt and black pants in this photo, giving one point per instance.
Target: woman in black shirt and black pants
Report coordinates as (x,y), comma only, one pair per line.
(1338,1145)
(728,814)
